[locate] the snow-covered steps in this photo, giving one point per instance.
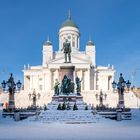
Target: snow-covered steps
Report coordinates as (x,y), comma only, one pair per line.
(54,105)
(66,116)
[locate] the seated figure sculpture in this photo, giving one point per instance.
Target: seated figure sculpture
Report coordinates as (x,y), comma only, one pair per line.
(67,86)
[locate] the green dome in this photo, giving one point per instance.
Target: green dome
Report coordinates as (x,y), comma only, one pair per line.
(90,43)
(70,23)
(48,43)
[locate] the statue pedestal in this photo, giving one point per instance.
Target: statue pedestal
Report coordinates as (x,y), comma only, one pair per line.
(70,99)
(67,98)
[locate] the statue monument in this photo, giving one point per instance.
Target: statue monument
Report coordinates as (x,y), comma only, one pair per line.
(67,86)
(78,83)
(65,92)
(67,51)
(56,87)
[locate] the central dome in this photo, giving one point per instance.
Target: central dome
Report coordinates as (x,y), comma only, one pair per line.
(70,31)
(69,22)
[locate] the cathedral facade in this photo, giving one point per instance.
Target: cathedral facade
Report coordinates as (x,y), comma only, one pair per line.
(83,65)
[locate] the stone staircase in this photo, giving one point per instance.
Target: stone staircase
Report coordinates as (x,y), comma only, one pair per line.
(66,116)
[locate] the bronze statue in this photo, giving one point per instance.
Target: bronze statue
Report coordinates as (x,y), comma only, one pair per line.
(67,86)
(67,50)
(64,85)
(78,83)
(56,88)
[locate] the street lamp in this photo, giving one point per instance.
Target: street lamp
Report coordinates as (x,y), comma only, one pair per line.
(121,87)
(11,87)
(101,97)
(34,97)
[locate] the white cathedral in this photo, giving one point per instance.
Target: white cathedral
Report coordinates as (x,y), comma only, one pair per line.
(41,79)
(83,65)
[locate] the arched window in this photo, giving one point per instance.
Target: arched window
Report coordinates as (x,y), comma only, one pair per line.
(73,43)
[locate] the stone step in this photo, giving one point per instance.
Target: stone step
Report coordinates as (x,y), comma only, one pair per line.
(65,116)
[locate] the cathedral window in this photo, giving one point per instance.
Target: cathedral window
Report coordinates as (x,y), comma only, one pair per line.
(40,87)
(69,37)
(77,42)
(73,43)
(97,87)
(40,79)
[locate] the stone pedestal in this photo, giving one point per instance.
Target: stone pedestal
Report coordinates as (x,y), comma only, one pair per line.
(119,115)
(70,99)
(17,116)
(67,98)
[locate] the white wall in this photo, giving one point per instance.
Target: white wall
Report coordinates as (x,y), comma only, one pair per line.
(73,33)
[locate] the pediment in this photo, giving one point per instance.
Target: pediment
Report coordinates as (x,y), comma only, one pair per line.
(74,59)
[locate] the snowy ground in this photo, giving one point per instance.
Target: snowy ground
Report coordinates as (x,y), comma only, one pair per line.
(103,129)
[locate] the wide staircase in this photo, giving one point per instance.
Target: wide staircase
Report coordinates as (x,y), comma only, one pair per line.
(66,116)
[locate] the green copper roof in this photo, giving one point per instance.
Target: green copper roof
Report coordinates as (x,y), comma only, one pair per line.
(69,22)
(47,43)
(90,43)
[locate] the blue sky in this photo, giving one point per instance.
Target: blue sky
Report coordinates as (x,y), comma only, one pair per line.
(114,26)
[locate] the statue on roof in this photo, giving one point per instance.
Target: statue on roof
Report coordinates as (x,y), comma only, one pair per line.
(67,51)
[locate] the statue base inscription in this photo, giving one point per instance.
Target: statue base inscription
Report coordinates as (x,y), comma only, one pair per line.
(67,98)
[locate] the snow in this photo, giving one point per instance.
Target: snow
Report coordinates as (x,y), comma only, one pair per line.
(102,129)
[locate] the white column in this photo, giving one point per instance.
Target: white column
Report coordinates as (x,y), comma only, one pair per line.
(78,43)
(74,76)
(110,82)
(49,81)
(59,42)
(75,38)
(57,74)
(31,82)
(38,82)
(83,80)
(52,77)
(94,80)
(43,81)
(88,79)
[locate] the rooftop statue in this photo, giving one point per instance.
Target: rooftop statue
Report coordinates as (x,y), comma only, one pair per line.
(67,51)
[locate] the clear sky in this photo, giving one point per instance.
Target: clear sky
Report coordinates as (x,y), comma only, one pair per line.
(114,26)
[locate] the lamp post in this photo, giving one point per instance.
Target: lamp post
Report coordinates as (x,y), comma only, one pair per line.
(101,97)
(34,97)
(121,85)
(11,87)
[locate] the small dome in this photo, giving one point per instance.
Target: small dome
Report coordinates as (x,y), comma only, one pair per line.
(90,43)
(69,22)
(48,43)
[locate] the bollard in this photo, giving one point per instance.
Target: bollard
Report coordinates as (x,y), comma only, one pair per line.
(17,116)
(119,115)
